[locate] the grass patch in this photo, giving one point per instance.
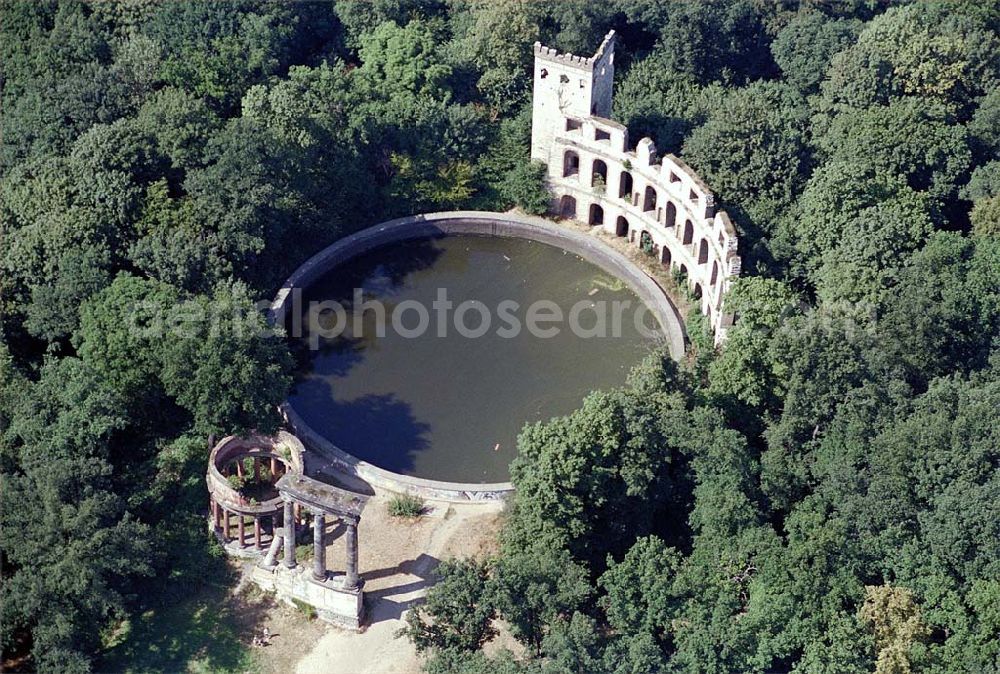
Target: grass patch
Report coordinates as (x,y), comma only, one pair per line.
(405,505)
(187,620)
(304,552)
(196,631)
(308,610)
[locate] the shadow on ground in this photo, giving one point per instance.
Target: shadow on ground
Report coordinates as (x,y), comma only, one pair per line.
(191,622)
(389,601)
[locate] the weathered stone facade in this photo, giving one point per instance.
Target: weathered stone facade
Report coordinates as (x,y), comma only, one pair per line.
(596,176)
(276,465)
(246,526)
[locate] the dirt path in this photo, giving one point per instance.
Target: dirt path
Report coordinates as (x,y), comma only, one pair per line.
(396,559)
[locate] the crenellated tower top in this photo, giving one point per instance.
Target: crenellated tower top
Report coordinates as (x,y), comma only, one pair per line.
(567,85)
(583,62)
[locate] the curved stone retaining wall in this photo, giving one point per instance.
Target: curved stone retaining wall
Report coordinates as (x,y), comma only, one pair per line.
(441,224)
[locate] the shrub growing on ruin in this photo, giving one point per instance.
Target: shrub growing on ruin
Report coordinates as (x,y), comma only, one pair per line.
(524,186)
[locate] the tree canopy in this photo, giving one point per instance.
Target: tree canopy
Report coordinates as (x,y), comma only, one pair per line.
(818,494)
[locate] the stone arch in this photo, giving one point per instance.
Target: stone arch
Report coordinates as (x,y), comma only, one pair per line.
(621,226)
(649,199)
(596,215)
(665,256)
(697,291)
(646,242)
(684,271)
(703,252)
(688,232)
(571,163)
(625,186)
(567,206)
(715,273)
(599,171)
(671,219)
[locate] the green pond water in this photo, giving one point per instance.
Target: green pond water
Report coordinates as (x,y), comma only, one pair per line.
(450,407)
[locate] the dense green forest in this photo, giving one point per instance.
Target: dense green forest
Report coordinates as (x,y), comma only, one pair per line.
(821,495)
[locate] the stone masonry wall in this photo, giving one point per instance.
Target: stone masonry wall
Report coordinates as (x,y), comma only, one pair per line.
(597,177)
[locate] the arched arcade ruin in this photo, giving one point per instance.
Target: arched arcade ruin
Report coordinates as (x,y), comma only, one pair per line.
(572,134)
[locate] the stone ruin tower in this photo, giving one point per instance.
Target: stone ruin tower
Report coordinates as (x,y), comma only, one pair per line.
(567,85)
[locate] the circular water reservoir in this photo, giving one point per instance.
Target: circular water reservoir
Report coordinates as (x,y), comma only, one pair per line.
(447,345)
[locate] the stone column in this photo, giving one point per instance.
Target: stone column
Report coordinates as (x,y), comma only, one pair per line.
(274,469)
(351,579)
(319,548)
(289,535)
(240,527)
(256,531)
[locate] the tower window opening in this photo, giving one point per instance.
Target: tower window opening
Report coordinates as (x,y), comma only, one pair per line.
(571,163)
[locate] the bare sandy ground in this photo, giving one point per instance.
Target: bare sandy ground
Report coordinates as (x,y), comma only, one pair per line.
(397,558)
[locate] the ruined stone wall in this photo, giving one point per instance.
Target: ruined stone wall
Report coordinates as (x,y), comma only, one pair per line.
(569,85)
(597,177)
